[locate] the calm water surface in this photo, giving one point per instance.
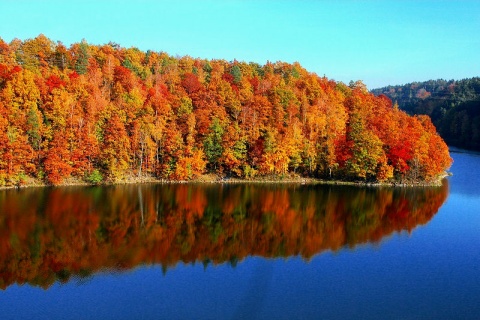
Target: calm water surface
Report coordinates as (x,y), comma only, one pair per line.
(243,251)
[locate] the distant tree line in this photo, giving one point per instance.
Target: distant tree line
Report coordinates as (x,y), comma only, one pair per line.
(454,107)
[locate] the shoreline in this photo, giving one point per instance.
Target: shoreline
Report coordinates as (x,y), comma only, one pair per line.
(214,179)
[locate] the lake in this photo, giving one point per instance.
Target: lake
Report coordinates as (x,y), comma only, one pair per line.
(243,251)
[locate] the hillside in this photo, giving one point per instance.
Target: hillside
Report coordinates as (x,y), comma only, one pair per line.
(105,113)
(454,107)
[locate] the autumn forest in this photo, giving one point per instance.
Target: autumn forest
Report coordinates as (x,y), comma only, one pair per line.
(100,113)
(453,106)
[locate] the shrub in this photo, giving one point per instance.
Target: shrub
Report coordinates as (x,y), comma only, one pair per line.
(94,177)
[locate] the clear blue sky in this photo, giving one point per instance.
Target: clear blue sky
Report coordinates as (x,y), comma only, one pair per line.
(378,42)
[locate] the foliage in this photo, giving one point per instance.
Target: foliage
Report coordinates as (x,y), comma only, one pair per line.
(454,107)
(213,144)
(123,112)
(94,177)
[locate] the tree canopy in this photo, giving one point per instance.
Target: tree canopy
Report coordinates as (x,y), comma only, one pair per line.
(454,107)
(103,112)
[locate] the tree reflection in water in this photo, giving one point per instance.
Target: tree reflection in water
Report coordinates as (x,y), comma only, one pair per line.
(49,235)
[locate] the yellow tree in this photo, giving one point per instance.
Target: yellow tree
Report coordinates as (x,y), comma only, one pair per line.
(115,148)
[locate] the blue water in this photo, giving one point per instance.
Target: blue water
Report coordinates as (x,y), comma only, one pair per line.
(433,272)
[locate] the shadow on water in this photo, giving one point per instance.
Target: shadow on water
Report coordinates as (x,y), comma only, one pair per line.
(53,234)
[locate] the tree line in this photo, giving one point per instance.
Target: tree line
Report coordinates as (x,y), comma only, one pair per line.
(454,107)
(106,113)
